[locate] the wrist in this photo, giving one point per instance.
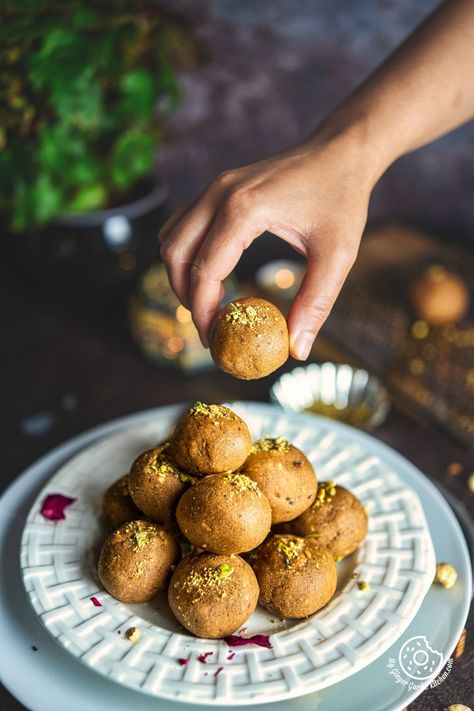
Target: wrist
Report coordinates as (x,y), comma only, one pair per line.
(359,139)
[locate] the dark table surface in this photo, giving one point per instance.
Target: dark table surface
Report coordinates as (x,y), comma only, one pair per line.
(271,74)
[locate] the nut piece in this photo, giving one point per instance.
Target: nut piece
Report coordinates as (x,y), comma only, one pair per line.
(132,634)
(446,575)
(457,707)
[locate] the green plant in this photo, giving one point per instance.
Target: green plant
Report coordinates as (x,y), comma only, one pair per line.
(84,88)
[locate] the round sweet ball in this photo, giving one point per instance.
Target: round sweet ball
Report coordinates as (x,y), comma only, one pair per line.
(213,595)
(296,575)
(224,513)
(439,296)
(117,504)
(155,483)
(284,475)
(249,338)
(337,519)
(136,561)
(209,439)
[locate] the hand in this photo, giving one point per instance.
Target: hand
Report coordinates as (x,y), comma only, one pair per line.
(315,197)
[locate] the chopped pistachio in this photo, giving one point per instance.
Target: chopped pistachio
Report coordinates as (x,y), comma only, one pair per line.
(269,444)
(162,466)
(244,315)
(241,482)
(326,490)
(140,533)
(209,578)
(212,411)
(226,570)
(446,575)
(290,547)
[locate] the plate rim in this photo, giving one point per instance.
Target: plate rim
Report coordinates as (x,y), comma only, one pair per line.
(133,421)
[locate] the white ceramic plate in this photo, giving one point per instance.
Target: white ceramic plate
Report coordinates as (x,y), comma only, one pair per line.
(396,559)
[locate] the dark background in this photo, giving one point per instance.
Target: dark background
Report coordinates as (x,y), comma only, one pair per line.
(274,69)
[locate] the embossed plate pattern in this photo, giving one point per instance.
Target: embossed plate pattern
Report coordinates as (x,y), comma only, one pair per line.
(396,559)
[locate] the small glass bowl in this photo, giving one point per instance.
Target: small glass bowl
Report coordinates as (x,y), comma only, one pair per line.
(338,391)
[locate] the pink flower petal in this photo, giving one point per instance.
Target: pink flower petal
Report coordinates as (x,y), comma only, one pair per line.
(203,657)
(95,602)
(218,671)
(231,656)
(53,506)
(183,662)
(263,640)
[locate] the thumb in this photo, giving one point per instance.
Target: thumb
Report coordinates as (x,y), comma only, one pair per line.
(325,275)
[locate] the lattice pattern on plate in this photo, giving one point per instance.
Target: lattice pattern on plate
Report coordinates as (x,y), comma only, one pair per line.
(396,559)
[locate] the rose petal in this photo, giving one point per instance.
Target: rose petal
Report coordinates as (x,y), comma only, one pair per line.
(95,602)
(183,661)
(218,671)
(203,657)
(53,506)
(231,656)
(263,640)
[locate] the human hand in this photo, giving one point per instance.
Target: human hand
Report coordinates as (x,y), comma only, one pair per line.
(314,196)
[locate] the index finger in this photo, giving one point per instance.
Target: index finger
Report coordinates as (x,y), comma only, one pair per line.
(220,252)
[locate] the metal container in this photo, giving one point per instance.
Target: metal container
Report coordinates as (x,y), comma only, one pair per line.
(338,391)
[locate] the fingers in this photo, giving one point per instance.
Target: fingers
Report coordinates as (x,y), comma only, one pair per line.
(325,275)
(183,232)
(233,231)
(182,235)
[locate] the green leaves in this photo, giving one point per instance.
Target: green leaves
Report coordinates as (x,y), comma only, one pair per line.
(138,94)
(132,158)
(84,89)
(90,197)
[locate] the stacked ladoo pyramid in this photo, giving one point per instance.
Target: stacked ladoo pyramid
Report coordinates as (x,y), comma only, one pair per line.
(210,487)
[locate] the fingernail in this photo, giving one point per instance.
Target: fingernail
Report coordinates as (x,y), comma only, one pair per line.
(301,344)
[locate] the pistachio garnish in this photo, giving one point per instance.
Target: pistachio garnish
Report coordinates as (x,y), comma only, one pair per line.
(290,547)
(326,490)
(270,444)
(241,482)
(244,315)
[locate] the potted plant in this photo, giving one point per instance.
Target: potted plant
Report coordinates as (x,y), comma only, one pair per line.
(85,89)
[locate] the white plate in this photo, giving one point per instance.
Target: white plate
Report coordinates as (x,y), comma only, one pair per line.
(397,559)
(56,681)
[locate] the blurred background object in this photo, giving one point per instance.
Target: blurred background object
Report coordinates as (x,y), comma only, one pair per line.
(338,391)
(86,89)
(163,328)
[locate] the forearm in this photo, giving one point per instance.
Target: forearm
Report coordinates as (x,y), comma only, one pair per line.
(422,91)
